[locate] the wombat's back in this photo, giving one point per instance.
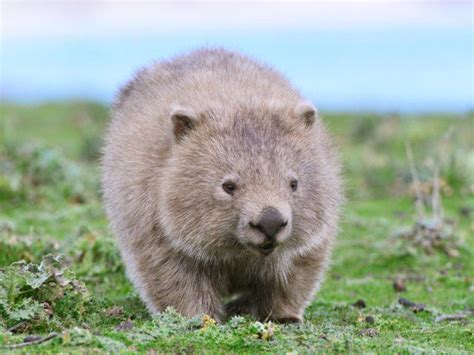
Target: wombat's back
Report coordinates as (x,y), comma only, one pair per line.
(205,79)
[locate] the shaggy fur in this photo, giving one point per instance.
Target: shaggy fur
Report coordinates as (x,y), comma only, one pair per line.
(182,128)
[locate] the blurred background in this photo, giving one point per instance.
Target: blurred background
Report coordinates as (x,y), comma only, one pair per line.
(397,56)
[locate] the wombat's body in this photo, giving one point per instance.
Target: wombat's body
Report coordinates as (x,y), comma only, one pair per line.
(220,181)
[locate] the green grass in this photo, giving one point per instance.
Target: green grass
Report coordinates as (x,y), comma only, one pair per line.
(50,204)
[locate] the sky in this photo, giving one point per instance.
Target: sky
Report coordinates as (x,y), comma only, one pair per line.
(407,56)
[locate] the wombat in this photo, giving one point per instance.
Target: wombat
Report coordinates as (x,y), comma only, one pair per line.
(222,186)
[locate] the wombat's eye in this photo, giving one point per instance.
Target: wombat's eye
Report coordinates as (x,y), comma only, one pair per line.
(229,187)
(294,184)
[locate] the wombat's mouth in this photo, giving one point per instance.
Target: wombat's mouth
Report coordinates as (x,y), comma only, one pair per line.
(266,248)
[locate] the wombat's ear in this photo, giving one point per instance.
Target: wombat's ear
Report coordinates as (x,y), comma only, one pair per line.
(307,112)
(183,120)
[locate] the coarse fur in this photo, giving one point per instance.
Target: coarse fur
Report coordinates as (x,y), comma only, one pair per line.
(179,131)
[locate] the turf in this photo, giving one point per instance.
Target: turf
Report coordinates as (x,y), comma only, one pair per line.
(71,284)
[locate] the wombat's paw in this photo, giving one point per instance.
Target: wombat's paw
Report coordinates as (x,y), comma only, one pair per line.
(237,307)
(289,320)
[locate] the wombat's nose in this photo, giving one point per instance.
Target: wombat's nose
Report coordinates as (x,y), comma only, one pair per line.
(270,223)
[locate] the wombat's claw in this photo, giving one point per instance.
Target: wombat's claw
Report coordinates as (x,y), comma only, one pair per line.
(289,320)
(237,307)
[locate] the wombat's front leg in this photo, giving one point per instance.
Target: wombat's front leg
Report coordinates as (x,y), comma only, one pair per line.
(281,301)
(239,306)
(265,307)
(286,307)
(189,291)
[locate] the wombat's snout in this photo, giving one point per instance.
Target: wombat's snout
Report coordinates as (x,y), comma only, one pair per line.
(270,223)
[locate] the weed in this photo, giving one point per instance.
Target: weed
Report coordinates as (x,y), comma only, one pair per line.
(41,296)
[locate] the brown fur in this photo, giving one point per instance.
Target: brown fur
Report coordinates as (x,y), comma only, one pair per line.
(180,129)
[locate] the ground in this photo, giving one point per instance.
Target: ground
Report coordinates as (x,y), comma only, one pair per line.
(386,290)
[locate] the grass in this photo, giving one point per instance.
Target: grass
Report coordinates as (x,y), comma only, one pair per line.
(50,206)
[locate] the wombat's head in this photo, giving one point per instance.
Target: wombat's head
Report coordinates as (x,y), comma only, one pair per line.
(251,182)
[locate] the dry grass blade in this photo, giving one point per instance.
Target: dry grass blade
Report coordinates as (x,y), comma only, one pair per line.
(436,197)
(451,317)
(33,342)
(420,209)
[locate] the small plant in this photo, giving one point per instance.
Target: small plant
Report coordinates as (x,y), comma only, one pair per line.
(31,172)
(94,254)
(433,231)
(40,296)
(15,247)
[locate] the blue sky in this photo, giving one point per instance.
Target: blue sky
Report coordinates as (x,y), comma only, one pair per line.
(384,56)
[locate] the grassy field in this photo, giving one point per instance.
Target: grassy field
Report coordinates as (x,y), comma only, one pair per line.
(391,288)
